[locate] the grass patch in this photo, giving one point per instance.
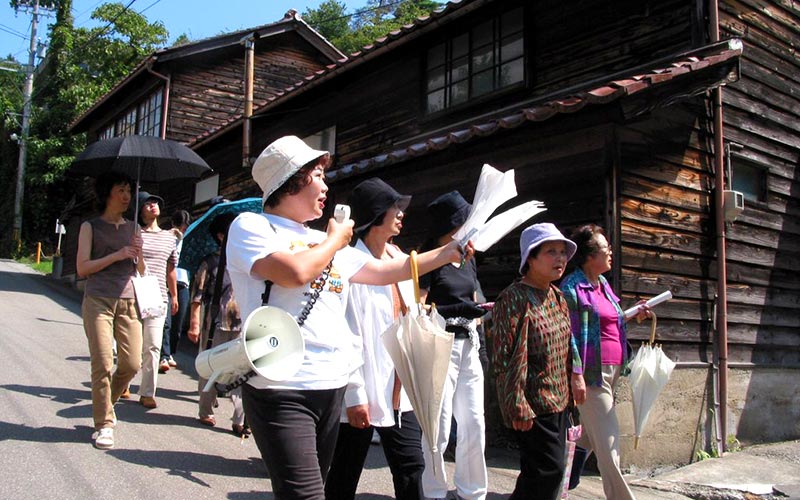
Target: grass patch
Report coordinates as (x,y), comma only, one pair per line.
(44,266)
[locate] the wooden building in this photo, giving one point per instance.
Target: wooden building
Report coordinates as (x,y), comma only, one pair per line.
(608,112)
(182,92)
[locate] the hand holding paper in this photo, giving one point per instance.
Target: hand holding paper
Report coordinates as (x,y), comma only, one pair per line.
(494,189)
(662,297)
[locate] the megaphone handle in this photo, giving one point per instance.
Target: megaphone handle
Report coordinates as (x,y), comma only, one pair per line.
(211,381)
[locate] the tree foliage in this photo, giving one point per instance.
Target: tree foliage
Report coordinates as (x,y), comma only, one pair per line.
(351,32)
(81,66)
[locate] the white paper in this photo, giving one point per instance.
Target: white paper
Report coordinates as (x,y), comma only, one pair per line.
(494,189)
(662,297)
(502,224)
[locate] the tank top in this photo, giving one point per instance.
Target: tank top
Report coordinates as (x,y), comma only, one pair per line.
(115,280)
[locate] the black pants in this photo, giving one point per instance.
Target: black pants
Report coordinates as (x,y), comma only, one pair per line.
(295,431)
(403,450)
(541,458)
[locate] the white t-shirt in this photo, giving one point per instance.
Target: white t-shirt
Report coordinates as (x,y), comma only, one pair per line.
(329,355)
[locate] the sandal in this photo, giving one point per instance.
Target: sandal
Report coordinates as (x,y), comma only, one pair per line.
(241,431)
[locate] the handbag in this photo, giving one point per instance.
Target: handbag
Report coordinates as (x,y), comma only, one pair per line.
(148,297)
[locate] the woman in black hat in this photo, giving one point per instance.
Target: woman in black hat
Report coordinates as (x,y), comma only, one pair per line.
(454,291)
(374,394)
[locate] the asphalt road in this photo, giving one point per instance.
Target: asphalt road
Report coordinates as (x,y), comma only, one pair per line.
(46,450)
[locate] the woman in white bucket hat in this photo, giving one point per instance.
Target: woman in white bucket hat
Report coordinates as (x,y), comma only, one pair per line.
(295,421)
(533,359)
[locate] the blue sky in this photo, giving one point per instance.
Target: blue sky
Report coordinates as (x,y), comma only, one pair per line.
(196,18)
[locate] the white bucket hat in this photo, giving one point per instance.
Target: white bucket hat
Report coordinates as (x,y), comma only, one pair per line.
(535,235)
(281,160)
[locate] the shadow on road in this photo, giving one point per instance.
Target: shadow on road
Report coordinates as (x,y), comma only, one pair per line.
(21,432)
(58,394)
(188,464)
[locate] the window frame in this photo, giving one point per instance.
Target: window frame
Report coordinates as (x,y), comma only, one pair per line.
(452,55)
(146,115)
(738,160)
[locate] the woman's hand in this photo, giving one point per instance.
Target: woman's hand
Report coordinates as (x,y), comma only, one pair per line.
(522,424)
(340,232)
(578,388)
(358,416)
(193,333)
(128,252)
(455,253)
(174,306)
(644,311)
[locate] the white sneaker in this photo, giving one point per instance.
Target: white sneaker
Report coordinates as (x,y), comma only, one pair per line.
(104,438)
(172,362)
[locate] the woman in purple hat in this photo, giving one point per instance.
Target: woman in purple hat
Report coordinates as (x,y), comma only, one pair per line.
(533,361)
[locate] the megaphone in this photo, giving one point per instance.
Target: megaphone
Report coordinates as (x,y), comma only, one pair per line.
(270,344)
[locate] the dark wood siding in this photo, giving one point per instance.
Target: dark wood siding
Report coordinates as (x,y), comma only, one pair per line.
(762,114)
(208,92)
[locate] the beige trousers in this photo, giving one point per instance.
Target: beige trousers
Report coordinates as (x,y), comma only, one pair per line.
(601,433)
(209,399)
(152,336)
(106,320)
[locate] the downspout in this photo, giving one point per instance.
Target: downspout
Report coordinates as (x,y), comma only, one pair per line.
(164,99)
(722,271)
(249,64)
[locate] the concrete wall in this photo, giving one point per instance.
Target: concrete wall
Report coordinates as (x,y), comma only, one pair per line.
(763,406)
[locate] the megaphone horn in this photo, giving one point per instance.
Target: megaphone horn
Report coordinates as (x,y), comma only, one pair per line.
(270,344)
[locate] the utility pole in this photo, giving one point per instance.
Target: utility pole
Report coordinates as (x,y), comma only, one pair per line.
(27,92)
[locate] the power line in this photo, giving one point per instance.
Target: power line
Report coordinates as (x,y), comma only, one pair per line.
(12,31)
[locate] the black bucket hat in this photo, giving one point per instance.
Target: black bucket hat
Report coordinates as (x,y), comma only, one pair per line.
(447,212)
(371,199)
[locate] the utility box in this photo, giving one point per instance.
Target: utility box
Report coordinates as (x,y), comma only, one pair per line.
(733,204)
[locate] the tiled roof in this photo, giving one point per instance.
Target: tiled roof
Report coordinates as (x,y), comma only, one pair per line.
(724,56)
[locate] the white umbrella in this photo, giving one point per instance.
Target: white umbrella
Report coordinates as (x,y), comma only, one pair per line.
(494,189)
(420,349)
(650,371)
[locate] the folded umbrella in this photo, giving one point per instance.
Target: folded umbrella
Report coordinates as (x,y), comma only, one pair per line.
(650,371)
(420,348)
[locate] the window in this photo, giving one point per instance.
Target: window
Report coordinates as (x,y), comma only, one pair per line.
(141,119)
(107,133)
(749,178)
(127,124)
(489,57)
(206,189)
(324,140)
(149,116)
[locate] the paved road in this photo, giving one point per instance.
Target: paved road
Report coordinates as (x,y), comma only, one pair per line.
(45,421)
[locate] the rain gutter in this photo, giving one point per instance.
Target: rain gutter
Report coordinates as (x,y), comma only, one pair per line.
(249,70)
(719,222)
(164,98)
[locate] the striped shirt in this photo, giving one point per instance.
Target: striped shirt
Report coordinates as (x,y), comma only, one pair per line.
(532,352)
(159,248)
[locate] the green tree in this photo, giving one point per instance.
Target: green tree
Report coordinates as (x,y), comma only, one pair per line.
(350,33)
(81,66)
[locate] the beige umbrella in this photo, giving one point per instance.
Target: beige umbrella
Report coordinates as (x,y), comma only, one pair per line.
(420,348)
(650,371)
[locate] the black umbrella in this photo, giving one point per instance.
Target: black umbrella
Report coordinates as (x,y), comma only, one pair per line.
(141,157)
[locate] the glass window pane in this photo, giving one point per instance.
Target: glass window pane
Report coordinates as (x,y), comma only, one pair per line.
(748,179)
(436,56)
(482,58)
(459,92)
(482,34)
(511,22)
(460,45)
(436,101)
(513,72)
(436,78)
(511,48)
(460,70)
(482,83)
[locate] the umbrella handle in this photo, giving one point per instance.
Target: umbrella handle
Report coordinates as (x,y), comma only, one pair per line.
(412,260)
(653,328)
